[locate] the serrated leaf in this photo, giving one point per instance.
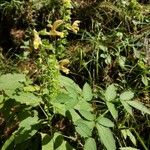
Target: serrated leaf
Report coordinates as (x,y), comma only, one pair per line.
(127,95)
(83,129)
(110,93)
(10,82)
(127,107)
(27,98)
(86,114)
(90,144)
(106,137)
(112,110)
(87,92)
(105,122)
(138,105)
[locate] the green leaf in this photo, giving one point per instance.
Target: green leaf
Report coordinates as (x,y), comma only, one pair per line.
(8,142)
(74,115)
(47,142)
(121,61)
(90,124)
(105,122)
(1,101)
(83,129)
(145,80)
(127,107)
(106,137)
(67,100)
(112,110)
(27,128)
(27,98)
(138,105)
(65,146)
(87,92)
(83,105)
(86,114)
(110,93)
(128,148)
(131,136)
(59,108)
(10,82)
(90,144)
(127,95)
(127,133)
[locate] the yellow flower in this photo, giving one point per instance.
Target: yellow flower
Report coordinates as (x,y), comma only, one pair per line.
(62,65)
(53,31)
(75,26)
(37,40)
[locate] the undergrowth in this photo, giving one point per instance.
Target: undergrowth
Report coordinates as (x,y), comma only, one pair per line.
(74,75)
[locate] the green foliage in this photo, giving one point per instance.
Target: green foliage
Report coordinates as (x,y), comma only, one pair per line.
(77,89)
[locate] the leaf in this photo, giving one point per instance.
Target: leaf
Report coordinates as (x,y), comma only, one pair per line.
(47,142)
(86,114)
(70,87)
(128,148)
(106,137)
(31,88)
(10,82)
(138,105)
(83,105)
(110,93)
(121,61)
(87,92)
(127,95)
(74,115)
(27,98)
(1,101)
(27,128)
(90,144)
(145,80)
(59,108)
(127,132)
(37,40)
(83,129)
(105,122)
(8,142)
(112,110)
(127,107)
(131,136)
(65,146)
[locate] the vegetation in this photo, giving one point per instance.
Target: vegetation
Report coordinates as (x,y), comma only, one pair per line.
(74,75)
